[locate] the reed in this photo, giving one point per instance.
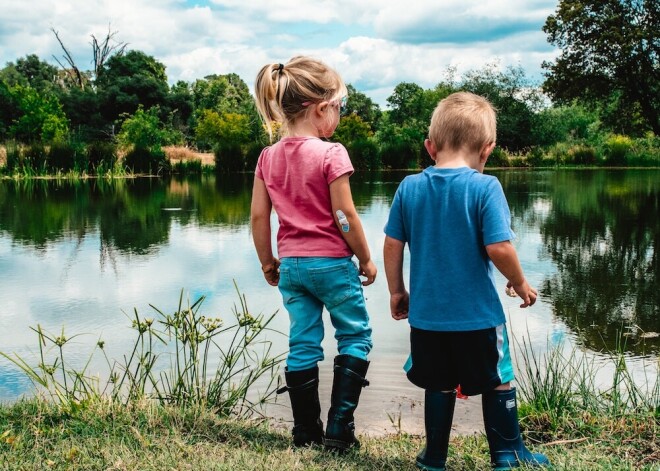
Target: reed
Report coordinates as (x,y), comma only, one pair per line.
(172,361)
(566,400)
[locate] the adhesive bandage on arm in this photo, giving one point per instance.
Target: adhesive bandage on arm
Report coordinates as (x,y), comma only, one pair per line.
(343,221)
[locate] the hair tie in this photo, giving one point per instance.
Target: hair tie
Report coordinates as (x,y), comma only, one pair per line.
(280,68)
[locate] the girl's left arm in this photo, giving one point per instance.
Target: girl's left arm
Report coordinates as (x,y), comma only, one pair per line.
(342,199)
(260,220)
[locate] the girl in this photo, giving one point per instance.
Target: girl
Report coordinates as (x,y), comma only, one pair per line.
(306,180)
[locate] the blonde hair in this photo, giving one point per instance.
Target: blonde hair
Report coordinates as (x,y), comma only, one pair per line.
(283,91)
(463,119)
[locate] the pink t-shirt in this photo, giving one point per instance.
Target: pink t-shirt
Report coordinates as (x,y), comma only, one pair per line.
(297,172)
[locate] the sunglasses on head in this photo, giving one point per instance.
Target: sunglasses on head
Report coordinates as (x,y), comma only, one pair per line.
(339,103)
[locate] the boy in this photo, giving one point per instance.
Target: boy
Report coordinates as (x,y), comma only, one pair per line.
(456,221)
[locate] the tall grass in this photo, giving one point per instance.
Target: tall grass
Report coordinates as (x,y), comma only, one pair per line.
(564,400)
(183,359)
(557,382)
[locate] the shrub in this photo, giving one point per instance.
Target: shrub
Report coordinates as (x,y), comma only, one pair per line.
(142,160)
(581,155)
(498,158)
(35,158)
(101,155)
(645,151)
(536,157)
(13,154)
(364,154)
(252,154)
(518,160)
(617,148)
(184,167)
(64,156)
(558,153)
(229,157)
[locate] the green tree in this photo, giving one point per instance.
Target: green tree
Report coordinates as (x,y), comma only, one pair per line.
(207,131)
(407,103)
(127,81)
(179,103)
(402,130)
(226,94)
(352,128)
(357,136)
(400,147)
(30,71)
(362,106)
(556,124)
(143,135)
(9,109)
(40,118)
(610,56)
(83,108)
(514,98)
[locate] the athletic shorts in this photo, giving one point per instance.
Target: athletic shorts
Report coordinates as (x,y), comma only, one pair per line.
(477,360)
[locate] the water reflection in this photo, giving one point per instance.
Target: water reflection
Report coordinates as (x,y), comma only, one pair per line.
(603,233)
(591,236)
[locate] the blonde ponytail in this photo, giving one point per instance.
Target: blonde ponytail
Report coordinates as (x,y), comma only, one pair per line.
(282,89)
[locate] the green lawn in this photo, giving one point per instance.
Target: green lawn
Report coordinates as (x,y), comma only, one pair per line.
(104,436)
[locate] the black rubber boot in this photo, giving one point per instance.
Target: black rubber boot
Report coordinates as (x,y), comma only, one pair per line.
(349,379)
(438,416)
(303,387)
(507,449)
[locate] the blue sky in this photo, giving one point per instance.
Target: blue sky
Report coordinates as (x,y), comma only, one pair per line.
(374,44)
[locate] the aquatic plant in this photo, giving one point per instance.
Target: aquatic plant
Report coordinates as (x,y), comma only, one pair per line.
(173,361)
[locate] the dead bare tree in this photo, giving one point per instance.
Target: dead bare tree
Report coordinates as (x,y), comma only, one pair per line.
(72,71)
(102,50)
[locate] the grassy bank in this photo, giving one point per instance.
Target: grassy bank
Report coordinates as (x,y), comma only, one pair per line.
(164,406)
(106,436)
(107,159)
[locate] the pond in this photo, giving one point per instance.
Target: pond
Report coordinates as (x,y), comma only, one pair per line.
(82,255)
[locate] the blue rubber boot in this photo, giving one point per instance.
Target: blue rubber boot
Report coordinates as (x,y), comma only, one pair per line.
(438,416)
(507,449)
(349,379)
(303,388)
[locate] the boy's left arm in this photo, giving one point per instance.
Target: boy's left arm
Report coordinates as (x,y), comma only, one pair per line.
(260,220)
(393,260)
(504,257)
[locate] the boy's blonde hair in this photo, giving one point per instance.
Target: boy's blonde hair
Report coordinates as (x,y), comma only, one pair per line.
(283,92)
(463,120)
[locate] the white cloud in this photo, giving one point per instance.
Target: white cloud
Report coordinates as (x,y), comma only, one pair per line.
(373,44)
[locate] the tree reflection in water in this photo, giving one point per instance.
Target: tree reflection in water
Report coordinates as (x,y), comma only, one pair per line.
(599,228)
(603,234)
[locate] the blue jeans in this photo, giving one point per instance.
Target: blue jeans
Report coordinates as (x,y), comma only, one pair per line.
(307,285)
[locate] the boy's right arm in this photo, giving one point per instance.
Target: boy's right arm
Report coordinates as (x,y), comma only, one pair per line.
(393,260)
(505,259)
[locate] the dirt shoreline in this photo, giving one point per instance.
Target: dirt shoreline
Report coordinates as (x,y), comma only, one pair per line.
(389,405)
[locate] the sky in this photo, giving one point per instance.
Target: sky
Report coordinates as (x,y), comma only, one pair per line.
(373,44)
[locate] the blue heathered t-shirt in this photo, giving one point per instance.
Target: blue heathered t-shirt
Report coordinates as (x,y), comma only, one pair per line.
(447,217)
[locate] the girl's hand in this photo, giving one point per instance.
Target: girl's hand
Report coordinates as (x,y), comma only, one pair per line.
(369,271)
(272,272)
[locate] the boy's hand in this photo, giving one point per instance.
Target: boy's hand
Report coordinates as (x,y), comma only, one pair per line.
(526,292)
(399,303)
(368,270)
(272,272)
